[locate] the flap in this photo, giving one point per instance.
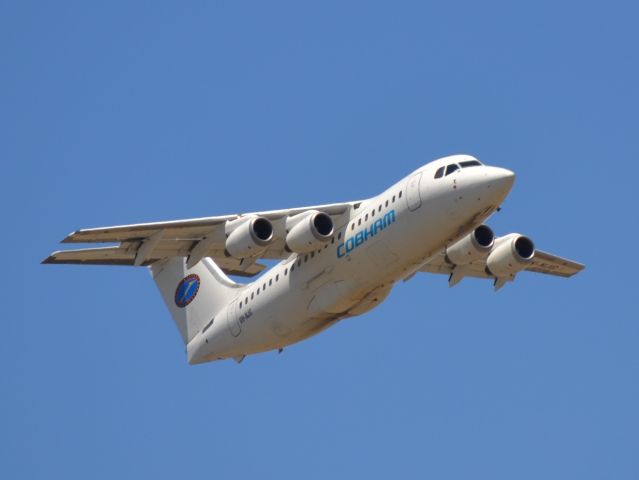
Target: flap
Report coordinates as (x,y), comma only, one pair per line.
(123,255)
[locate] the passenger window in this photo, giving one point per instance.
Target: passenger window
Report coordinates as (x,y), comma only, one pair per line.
(387,203)
(305,258)
(285,272)
(400,194)
(373,213)
(299,262)
(270,282)
(277,277)
(380,208)
(258,291)
(240,304)
(292,268)
(339,235)
(440,172)
(393,198)
(359,222)
(252,293)
(353,226)
(451,168)
(264,287)
(312,255)
(366,218)
(333,240)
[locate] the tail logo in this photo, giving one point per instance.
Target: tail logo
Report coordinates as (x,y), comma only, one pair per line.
(187,290)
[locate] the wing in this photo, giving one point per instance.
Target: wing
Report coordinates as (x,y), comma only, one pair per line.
(543,262)
(553,265)
(145,243)
(125,255)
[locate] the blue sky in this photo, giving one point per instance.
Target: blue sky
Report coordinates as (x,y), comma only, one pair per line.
(122,112)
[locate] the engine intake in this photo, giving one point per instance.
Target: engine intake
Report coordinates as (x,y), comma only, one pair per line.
(250,238)
(474,246)
(311,231)
(510,256)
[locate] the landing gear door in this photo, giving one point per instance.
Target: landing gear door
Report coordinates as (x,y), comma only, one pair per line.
(413,198)
(231,319)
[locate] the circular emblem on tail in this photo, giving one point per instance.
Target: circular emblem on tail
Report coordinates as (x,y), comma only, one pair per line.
(187,290)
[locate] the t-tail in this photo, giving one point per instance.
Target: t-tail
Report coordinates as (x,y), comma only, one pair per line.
(193,295)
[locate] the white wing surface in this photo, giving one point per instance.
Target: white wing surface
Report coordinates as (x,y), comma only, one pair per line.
(146,243)
(481,254)
(543,262)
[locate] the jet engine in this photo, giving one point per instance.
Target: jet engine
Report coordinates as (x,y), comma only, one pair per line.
(474,246)
(308,231)
(511,255)
(249,238)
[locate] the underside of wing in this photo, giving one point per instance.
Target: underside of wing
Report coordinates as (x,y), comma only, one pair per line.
(235,241)
(192,229)
(123,256)
(553,265)
(481,254)
(176,230)
(439,264)
(541,263)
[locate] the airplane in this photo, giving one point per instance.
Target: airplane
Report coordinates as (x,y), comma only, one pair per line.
(337,260)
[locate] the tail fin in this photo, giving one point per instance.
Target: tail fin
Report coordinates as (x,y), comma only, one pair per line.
(192,295)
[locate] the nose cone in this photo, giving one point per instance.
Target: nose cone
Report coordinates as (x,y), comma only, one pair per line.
(498,182)
(503,178)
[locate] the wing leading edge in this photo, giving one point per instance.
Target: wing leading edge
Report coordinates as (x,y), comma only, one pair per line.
(145,243)
(480,254)
(543,262)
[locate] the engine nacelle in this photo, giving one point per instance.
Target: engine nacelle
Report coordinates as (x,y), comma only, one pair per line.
(249,238)
(310,231)
(510,256)
(474,246)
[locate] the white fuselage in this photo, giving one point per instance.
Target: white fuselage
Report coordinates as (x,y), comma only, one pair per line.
(387,238)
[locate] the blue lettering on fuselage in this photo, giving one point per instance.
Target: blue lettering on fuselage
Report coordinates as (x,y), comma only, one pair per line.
(354,241)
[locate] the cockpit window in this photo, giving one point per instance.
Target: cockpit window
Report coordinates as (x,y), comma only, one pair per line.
(470,163)
(451,168)
(440,172)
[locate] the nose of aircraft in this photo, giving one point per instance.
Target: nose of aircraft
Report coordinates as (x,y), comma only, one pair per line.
(498,181)
(502,178)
